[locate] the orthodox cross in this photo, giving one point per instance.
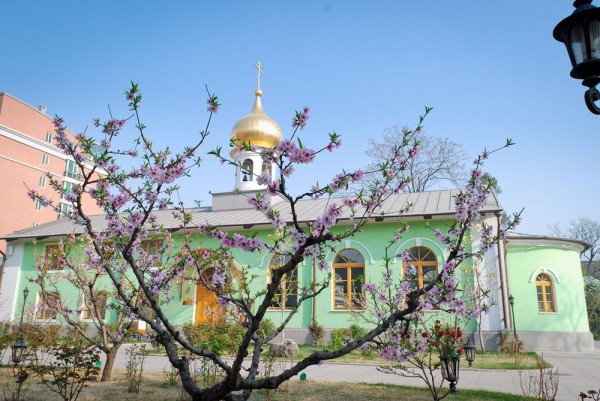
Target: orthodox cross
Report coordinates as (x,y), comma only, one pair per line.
(260,72)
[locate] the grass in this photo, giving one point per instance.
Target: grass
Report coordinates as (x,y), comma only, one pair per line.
(489,360)
(154,387)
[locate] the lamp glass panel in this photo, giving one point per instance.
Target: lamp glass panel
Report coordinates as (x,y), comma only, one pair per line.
(594,29)
(578,44)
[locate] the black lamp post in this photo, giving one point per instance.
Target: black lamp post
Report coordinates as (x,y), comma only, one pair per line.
(19,347)
(450,370)
(469,351)
(511,300)
(580,32)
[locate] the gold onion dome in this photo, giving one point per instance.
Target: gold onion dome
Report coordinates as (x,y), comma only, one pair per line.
(256,128)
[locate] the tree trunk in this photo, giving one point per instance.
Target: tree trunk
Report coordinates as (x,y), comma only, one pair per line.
(110,361)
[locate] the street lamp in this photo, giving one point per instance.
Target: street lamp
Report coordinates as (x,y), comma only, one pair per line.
(511,300)
(450,370)
(580,32)
(19,347)
(469,351)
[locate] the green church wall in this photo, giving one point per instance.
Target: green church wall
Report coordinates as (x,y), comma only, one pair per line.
(371,243)
(524,263)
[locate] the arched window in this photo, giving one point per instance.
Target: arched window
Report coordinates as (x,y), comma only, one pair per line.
(425,264)
(349,274)
(545,293)
(247,169)
(287,293)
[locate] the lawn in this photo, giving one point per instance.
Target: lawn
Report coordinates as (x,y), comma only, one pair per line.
(155,387)
(489,360)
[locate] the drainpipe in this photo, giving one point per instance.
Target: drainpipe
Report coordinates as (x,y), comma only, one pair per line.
(2,264)
(313,286)
(503,276)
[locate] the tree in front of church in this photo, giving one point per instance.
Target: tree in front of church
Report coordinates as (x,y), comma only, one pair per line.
(586,230)
(132,196)
(62,265)
(439,164)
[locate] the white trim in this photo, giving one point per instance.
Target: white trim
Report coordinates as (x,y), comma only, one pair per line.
(537,271)
(39,145)
(31,142)
(418,241)
(348,245)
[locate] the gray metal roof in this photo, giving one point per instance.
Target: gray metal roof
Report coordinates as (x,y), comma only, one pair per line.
(423,204)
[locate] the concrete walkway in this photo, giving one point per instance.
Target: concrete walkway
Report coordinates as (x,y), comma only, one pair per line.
(577,372)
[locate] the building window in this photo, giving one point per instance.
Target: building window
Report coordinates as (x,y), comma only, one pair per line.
(247,169)
(45,159)
(38,204)
(545,293)
(71,170)
(88,308)
(153,249)
(424,262)
(287,293)
(54,257)
(49,137)
(44,310)
(42,181)
(64,210)
(349,274)
(66,189)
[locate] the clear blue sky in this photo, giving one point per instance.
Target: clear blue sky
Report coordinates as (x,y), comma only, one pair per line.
(491,70)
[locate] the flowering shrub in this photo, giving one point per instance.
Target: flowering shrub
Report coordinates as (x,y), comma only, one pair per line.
(447,340)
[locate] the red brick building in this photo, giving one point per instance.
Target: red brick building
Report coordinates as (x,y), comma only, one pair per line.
(27,152)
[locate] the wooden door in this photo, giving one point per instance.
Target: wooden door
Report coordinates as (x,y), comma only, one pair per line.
(207,308)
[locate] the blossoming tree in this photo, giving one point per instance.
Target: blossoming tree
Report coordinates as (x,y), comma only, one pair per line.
(132,196)
(82,270)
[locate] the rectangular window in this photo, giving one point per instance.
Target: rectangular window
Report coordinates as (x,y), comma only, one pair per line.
(54,257)
(71,169)
(67,189)
(45,159)
(100,306)
(42,182)
(38,204)
(152,248)
(44,310)
(49,137)
(64,210)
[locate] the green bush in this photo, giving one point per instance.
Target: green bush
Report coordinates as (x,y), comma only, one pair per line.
(220,338)
(317,331)
(357,331)
(339,337)
(267,327)
(40,335)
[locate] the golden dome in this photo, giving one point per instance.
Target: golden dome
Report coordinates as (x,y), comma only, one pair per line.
(256,128)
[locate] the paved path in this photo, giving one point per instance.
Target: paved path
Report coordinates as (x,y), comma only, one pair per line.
(577,372)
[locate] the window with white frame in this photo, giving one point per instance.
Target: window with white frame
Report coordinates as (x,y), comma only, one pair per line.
(94,308)
(49,137)
(44,306)
(45,159)
(42,181)
(71,169)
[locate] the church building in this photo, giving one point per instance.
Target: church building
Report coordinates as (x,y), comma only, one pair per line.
(536,281)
